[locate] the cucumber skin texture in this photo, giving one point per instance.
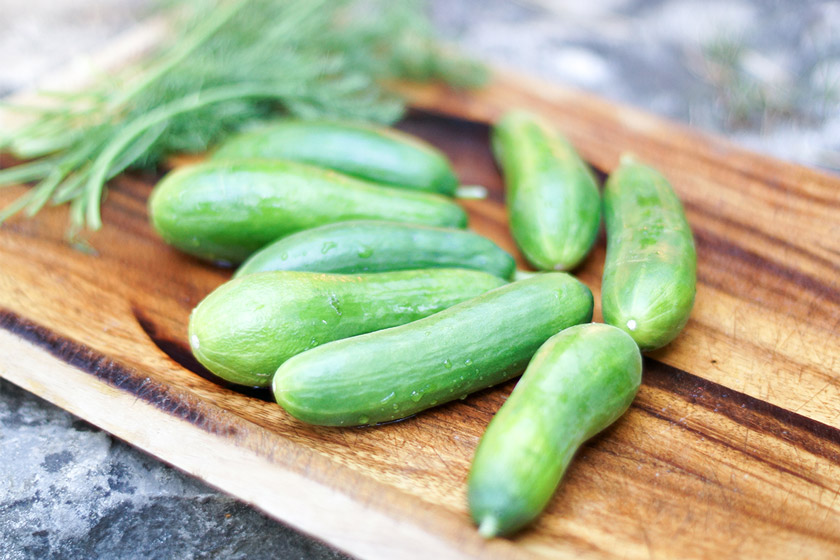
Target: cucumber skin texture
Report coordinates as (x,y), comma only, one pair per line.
(650,272)
(245,329)
(578,383)
(374,246)
(377,154)
(552,196)
(225,211)
(397,372)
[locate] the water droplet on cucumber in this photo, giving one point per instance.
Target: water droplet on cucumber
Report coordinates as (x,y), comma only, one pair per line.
(334,303)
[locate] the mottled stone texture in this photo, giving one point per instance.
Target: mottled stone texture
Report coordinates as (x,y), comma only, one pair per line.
(69,490)
(765,73)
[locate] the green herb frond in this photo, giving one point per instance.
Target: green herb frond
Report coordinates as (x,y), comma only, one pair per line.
(228,65)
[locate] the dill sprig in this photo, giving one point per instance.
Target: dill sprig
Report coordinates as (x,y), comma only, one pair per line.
(228,64)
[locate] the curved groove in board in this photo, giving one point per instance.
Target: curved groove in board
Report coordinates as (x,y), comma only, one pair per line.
(111,372)
(179,353)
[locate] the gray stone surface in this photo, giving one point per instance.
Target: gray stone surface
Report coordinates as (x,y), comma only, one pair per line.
(765,73)
(69,490)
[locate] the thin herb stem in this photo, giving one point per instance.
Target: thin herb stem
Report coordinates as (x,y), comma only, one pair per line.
(41,145)
(77,216)
(192,102)
(70,188)
(136,150)
(17,205)
(25,172)
(43,191)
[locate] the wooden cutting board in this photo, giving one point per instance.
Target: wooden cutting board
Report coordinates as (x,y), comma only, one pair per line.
(730,450)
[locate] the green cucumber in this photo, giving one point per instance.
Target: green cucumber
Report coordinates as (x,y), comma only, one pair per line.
(578,383)
(650,273)
(552,196)
(245,329)
(225,211)
(397,372)
(374,246)
(378,154)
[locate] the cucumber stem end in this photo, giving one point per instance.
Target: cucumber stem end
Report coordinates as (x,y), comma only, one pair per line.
(471,192)
(489,527)
(628,158)
(519,274)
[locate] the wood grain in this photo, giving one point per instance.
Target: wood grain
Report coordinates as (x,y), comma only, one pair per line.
(731,449)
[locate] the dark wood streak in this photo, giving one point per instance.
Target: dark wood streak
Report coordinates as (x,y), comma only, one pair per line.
(755,414)
(465,142)
(113,373)
(137,185)
(125,206)
(781,187)
(675,464)
(782,292)
(476,135)
(775,240)
(755,456)
(444,118)
(708,241)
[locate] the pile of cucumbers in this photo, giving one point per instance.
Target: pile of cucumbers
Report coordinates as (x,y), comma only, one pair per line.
(360,298)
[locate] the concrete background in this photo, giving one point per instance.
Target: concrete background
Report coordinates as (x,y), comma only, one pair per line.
(763,73)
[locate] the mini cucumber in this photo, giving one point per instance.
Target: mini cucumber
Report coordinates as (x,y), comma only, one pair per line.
(552,196)
(378,154)
(650,273)
(245,329)
(225,211)
(397,372)
(578,383)
(373,246)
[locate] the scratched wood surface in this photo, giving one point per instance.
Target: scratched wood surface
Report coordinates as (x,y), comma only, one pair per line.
(731,449)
